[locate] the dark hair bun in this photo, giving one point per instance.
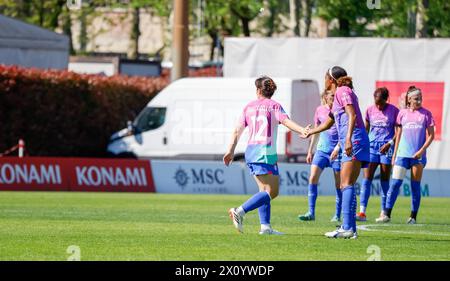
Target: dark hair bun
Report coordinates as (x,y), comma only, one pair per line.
(268,87)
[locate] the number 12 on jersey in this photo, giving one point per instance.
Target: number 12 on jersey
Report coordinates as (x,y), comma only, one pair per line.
(260,125)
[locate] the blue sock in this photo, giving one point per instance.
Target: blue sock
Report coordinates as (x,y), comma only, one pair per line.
(312,197)
(338,202)
(353,211)
(392,193)
(264,213)
(415,195)
(384,191)
(365,192)
(256,201)
(348,195)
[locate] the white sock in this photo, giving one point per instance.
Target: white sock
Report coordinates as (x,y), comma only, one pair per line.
(240,211)
(265,226)
(362,209)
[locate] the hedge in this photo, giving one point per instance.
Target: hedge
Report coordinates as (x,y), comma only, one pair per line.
(61,113)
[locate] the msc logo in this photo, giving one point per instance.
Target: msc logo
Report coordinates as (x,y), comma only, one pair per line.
(294,178)
(199,177)
(181,178)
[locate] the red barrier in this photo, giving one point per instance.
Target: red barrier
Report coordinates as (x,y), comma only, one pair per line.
(433,97)
(75,174)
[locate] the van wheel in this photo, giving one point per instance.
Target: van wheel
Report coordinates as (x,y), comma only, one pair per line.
(129,155)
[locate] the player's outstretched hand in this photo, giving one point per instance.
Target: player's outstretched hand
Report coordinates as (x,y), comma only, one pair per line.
(306,132)
(228,158)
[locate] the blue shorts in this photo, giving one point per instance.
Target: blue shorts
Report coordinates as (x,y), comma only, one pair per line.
(360,152)
(379,158)
(258,169)
(322,160)
(407,163)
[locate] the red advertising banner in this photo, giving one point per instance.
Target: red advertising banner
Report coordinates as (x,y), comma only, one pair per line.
(75,174)
(433,97)
(33,173)
(110,175)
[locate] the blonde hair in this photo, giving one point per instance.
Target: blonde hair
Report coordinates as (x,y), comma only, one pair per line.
(345,81)
(323,97)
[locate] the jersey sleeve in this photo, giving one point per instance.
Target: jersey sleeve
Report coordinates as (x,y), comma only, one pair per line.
(280,114)
(316,117)
(242,120)
(396,112)
(429,121)
(398,121)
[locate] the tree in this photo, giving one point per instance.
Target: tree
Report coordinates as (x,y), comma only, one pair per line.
(38,12)
(67,28)
(352,16)
(437,17)
(298,16)
(160,7)
(308,7)
(135,33)
(273,23)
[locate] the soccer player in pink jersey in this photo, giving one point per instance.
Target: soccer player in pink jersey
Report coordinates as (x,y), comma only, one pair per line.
(414,134)
(262,117)
(353,140)
(380,124)
(327,155)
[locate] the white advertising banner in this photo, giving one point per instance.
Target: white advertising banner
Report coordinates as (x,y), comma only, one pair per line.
(294,181)
(202,177)
(372,62)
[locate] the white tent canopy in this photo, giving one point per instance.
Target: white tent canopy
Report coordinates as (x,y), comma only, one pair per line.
(31,46)
(372,62)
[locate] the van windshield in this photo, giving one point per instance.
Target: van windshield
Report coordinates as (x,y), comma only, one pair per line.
(150,118)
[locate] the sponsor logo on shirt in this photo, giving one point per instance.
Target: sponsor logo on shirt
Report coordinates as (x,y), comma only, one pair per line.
(380,123)
(267,108)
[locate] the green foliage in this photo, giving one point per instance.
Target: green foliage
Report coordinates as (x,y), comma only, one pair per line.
(246,10)
(39,12)
(61,113)
(352,16)
(438,18)
(396,18)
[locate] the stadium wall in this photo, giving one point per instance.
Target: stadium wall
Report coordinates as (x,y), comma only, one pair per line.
(75,174)
(175,176)
(372,62)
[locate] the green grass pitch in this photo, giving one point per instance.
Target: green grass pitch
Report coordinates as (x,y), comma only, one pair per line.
(126,226)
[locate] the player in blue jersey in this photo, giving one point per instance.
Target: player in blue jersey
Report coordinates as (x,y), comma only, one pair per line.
(353,140)
(327,155)
(380,124)
(414,135)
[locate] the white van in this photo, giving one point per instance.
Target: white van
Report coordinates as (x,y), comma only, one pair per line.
(193,118)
